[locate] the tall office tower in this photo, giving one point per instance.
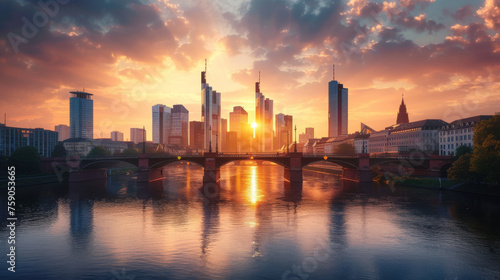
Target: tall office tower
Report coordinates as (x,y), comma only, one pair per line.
(179,132)
(63,131)
(264,119)
(116,136)
(223,134)
(196,135)
(310,132)
(81,115)
(162,123)
(337,108)
(284,130)
(238,122)
(210,113)
(402,114)
(137,135)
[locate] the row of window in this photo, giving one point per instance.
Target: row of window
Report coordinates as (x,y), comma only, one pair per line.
(457,138)
(458,131)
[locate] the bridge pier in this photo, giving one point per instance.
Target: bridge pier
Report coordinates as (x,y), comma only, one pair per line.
(211,170)
(145,174)
(293,174)
(362,174)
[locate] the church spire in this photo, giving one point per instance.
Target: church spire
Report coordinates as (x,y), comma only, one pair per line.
(402,114)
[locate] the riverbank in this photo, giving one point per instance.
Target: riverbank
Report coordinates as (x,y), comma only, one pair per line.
(31,180)
(448,185)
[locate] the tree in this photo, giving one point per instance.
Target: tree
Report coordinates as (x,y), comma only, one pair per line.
(486,160)
(59,151)
(99,152)
(26,160)
(345,148)
(130,151)
(460,169)
(462,150)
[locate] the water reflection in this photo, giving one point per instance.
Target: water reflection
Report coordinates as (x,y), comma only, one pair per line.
(256,227)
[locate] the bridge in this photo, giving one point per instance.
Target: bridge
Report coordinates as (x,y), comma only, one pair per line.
(354,167)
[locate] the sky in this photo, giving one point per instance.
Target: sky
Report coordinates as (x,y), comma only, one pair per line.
(443,56)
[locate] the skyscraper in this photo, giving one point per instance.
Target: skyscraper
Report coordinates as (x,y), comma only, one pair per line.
(196,135)
(402,114)
(284,130)
(63,131)
(81,115)
(337,108)
(264,119)
(178,134)
(210,113)
(238,122)
(310,132)
(161,123)
(223,134)
(116,136)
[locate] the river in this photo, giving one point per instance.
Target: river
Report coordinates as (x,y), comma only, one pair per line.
(259,228)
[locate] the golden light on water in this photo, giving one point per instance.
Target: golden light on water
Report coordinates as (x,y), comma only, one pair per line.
(253,193)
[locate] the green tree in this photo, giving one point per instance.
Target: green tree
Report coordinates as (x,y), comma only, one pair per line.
(99,152)
(130,151)
(345,148)
(460,169)
(486,160)
(486,127)
(26,160)
(462,150)
(59,151)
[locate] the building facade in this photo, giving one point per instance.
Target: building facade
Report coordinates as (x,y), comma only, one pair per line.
(210,114)
(179,133)
(63,131)
(162,123)
(264,119)
(81,115)
(116,136)
(238,122)
(337,109)
(458,133)
(12,138)
(137,135)
(196,135)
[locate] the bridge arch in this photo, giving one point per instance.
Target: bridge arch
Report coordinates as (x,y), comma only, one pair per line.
(282,162)
(164,163)
(338,162)
(108,163)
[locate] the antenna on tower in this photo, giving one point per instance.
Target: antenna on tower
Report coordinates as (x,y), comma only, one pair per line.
(205,65)
(334,72)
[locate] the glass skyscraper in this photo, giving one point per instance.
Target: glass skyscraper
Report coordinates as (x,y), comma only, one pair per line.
(337,109)
(81,115)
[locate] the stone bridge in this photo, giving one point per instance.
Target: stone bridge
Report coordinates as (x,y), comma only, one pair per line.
(355,167)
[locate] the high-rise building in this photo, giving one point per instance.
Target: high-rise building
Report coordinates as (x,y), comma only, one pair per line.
(196,135)
(284,130)
(223,134)
(63,131)
(310,132)
(162,123)
(116,136)
(179,132)
(337,108)
(264,120)
(81,115)
(12,138)
(238,122)
(137,135)
(402,114)
(210,113)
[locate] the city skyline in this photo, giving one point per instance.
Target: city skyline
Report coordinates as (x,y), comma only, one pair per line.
(378,49)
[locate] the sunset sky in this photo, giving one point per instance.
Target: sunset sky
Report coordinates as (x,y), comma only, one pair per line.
(443,55)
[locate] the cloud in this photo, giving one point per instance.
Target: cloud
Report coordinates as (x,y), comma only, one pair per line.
(491,13)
